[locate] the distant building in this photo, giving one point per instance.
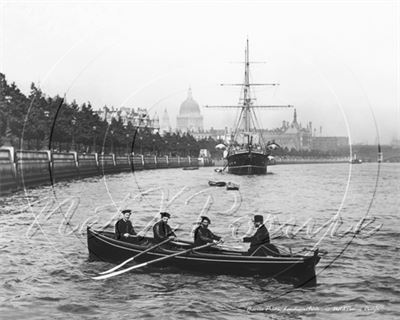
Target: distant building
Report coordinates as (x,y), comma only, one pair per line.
(165,125)
(216,134)
(138,118)
(295,136)
(189,118)
(329,143)
(395,143)
(291,135)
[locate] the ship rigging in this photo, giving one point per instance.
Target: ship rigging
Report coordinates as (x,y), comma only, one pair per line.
(247,153)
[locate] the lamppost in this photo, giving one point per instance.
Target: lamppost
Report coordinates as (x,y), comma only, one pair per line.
(154,141)
(73,122)
(47,142)
(127,143)
(166,148)
(94,139)
(112,141)
(141,144)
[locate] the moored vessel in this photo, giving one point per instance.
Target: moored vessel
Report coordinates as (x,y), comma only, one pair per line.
(247,153)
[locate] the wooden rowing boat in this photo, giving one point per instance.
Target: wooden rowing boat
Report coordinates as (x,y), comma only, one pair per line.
(299,269)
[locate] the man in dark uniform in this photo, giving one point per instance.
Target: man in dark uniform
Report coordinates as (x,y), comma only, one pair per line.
(202,235)
(259,242)
(123,227)
(161,229)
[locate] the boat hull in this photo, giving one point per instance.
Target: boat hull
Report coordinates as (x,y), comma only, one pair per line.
(247,163)
(232,186)
(299,270)
(217,183)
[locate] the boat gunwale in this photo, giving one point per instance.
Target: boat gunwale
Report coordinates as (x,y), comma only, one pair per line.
(196,255)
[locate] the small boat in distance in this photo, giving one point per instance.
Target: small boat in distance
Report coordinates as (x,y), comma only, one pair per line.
(232,186)
(217,183)
(190,168)
(247,153)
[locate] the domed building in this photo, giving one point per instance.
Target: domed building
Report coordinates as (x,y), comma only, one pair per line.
(189,118)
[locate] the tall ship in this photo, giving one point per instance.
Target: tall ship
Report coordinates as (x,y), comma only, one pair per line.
(247,153)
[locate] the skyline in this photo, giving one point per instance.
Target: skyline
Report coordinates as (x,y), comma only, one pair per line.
(339,76)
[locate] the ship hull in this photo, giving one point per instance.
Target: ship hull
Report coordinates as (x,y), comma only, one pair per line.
(247,163)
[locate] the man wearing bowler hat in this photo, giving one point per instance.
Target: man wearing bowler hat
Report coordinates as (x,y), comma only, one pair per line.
(123,227)
(203,235)
(259,242)
(161,229)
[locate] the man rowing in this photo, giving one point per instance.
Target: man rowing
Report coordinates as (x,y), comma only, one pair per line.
(123,228)
(161,229)
(259,242)
(203,235)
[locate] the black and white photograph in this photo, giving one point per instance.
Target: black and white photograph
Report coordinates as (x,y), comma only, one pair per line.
(199,159)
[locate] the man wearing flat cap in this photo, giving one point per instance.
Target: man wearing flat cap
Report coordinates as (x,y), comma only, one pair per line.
(123,227)
(203,235)
(260,238)
(161,229)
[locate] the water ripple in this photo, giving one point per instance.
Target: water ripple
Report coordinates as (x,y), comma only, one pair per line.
(46,275)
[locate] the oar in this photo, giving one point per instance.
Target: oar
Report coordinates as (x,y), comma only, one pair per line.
(109,275)
(224,247)
(134,257)
(183,241)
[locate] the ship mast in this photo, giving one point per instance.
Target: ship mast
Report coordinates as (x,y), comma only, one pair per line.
(246,93)
(247,107)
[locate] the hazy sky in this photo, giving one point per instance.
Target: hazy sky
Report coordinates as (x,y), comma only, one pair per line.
(337,62)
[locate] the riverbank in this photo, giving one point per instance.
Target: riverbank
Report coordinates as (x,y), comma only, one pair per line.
(20,169)
(295,160)
(303,160)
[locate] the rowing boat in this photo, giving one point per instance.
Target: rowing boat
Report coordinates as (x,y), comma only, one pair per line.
(217,183)
(298,269)
(232,186)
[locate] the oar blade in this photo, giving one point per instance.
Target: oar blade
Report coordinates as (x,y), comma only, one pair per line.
(116,273)
(118,266)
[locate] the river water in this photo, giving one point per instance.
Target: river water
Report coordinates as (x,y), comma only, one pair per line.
(45,272)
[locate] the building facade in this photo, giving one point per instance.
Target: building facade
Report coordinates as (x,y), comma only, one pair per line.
(329,143)
(138,118)
(291,135)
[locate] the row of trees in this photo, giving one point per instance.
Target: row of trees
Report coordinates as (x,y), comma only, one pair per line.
(37,121)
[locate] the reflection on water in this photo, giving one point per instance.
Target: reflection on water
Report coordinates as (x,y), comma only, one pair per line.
(45,270)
